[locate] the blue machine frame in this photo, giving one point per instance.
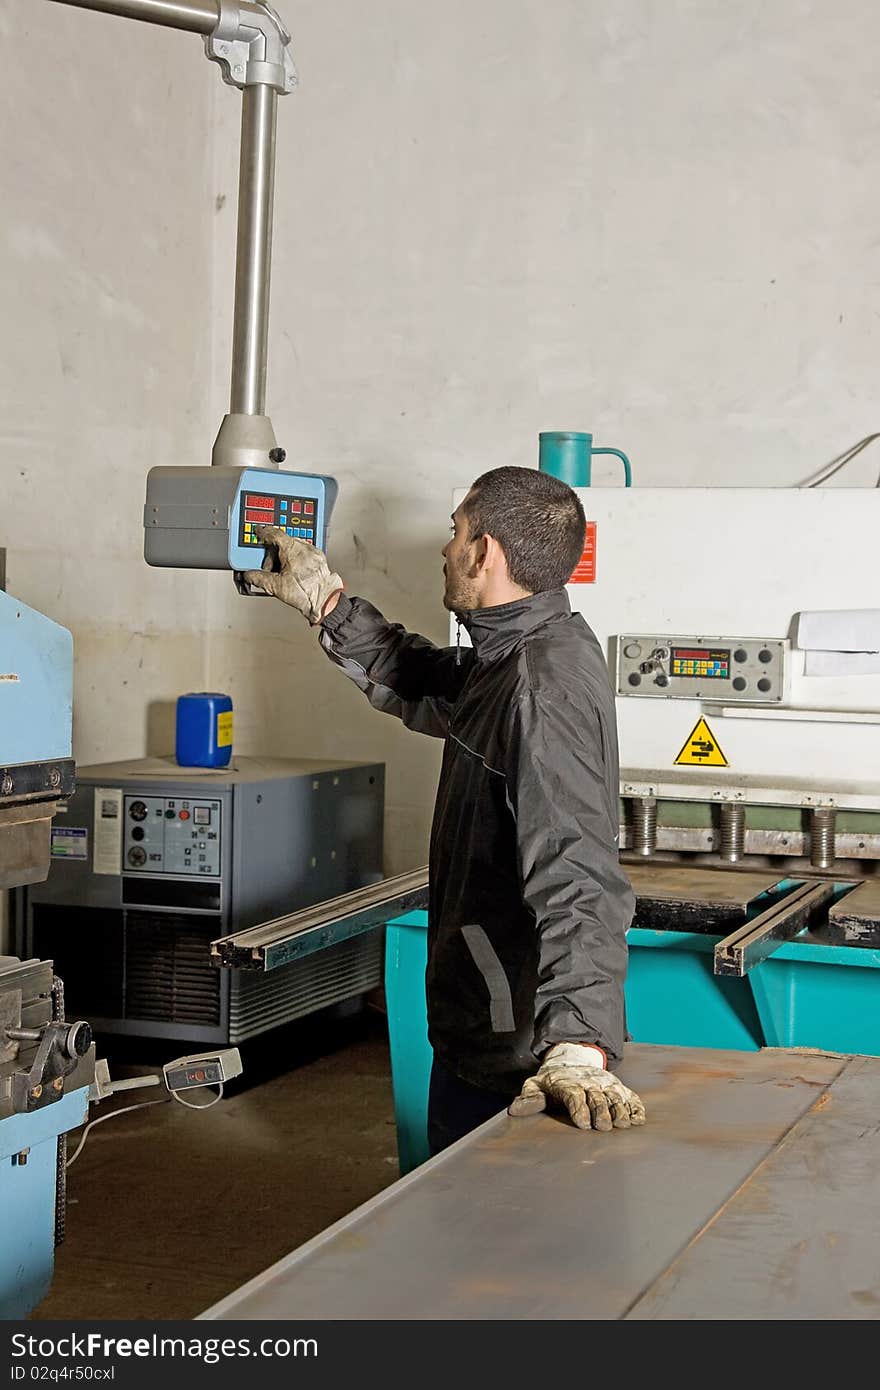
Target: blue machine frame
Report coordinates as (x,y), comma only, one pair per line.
(27,1199)
(36,685)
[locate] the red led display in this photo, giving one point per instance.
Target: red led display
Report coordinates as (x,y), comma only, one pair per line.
(251,514)
(251,501)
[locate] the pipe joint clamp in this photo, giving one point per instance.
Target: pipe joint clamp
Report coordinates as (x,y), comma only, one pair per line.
(252,47)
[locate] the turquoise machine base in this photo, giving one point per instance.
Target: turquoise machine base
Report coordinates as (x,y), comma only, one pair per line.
(406,954)
(819,996)
(672,996)
(27,1200)
(804,995)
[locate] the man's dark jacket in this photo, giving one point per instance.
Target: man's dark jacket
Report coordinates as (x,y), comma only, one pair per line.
(528,904)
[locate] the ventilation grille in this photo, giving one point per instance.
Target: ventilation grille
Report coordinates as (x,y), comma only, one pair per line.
(132,965)
(260,1002)
(169,977)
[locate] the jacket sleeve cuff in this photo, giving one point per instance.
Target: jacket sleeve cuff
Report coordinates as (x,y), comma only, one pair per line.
(576,1054)
(335,619)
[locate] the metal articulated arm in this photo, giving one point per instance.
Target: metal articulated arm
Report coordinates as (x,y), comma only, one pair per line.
(252,47)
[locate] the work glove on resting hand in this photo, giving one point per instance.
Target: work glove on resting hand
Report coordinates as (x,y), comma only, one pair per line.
(574,1076)
(295,572)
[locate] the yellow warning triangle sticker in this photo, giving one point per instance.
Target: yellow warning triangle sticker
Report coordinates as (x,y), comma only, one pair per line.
(702,748)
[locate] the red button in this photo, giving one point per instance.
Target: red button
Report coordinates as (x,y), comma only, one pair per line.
(184,815)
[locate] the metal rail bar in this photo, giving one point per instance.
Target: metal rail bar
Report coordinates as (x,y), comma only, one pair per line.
(276,943)
(745,948)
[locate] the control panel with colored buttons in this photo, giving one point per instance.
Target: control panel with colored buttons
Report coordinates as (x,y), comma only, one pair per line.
(297,503)
(745,670)
(167,835)
(294,515)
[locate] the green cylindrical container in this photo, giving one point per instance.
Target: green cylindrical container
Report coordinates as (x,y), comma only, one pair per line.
(568,454)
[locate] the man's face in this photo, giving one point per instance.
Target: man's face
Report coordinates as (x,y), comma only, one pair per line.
(462,588)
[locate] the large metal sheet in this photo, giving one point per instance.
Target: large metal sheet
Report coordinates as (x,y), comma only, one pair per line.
(800,1239)
(857,916)
(533,1219)
(709,900)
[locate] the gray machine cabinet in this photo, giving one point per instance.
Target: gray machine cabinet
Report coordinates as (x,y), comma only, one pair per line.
(131,939)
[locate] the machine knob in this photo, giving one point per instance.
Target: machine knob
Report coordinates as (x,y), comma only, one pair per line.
(635,678)
(764,655)
(632,650)
(740,654)
(764,685)
(137,810)
(138,833)
(137,856)
(739,683)
(78,1040)
(278,455)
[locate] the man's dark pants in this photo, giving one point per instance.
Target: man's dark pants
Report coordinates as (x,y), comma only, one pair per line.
(455,1108)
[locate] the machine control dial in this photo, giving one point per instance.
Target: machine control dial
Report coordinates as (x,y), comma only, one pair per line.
(655,662)
(78,1040)
(137,856)
(137,810)
(632,650)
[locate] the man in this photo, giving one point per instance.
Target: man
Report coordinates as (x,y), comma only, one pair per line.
(528,904)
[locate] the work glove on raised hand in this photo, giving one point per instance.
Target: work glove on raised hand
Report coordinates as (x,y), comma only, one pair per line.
(295,572)
(575,1077)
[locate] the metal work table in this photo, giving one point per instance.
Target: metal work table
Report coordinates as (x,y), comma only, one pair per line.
(753,1192)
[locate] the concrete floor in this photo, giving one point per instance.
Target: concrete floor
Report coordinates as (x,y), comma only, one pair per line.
(169,1210)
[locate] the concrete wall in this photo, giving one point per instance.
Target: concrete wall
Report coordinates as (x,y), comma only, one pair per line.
(105,349)
(106,345)
(653,220)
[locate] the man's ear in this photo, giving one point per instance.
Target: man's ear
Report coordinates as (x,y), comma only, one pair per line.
(494,557)
(482,553)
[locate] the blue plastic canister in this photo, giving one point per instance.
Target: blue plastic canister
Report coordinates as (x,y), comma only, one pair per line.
(204,729)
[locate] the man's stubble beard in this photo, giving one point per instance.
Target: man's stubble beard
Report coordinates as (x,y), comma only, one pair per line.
(458,595)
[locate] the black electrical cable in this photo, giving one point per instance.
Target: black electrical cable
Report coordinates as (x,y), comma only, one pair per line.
(829,470)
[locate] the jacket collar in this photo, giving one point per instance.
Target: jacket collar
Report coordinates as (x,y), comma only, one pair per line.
(496,631)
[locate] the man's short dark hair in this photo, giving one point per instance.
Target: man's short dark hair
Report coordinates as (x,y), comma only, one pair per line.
(536,519)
